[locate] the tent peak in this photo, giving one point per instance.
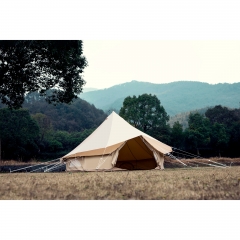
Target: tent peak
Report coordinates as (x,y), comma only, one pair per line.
(112,114)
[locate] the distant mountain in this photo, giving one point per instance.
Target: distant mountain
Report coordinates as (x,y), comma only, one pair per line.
(89,89)
(176,97)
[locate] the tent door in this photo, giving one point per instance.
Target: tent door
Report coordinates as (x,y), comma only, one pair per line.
(136,155)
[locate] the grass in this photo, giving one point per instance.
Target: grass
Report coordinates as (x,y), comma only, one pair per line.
(195,183)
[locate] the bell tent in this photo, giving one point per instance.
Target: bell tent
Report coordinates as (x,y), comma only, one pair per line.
(115,145)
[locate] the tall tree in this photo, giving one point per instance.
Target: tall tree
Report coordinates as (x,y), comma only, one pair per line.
(177,135)
(198,132)
(146,113)
(28,66)
(219,137)
(234,142)
(44,124)
(223,115)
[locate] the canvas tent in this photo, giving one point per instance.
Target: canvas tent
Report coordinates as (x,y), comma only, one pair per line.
(116,144)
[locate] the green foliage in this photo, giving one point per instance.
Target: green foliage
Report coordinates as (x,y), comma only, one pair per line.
(219,137)
(53,131)
(234,141)
(182,118)
(223,115)
(18,133)
(60,128)
(29,66)
(218,132)
(225,128)
(58,143)
(177,135)
(54,145)
(44,124)
(77,116)
(198,132)
(146,114)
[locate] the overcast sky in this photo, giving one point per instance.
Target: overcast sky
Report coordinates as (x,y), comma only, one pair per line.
(148,40)
(158,61)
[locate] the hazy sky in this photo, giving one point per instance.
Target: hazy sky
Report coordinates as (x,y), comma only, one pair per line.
(161,61)
(147,40)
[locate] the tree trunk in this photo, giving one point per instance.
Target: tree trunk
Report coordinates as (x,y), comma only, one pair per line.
(219,152)
(0,150)
(198,152)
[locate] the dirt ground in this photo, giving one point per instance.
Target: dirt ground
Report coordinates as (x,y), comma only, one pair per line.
(174,183)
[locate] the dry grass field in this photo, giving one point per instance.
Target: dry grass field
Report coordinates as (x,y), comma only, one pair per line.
(175,183)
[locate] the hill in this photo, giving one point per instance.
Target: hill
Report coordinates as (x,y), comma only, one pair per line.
(176,97)
(78,116)
(182,118)
(50,132)
(75,117)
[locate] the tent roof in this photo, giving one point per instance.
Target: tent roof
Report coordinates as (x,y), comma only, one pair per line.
(114,131)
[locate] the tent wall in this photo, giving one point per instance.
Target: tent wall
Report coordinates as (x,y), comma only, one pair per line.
(90,163)
(134,154)
(94,163)
(158,156)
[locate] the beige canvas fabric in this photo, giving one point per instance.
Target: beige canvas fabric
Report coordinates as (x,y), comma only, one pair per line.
(89,163)
(159,157)
(116,143)
(94,163)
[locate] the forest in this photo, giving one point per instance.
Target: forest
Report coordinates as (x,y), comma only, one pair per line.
(215,133)
(43,131)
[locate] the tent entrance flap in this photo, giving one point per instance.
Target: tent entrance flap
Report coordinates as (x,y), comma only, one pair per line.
(135,155)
